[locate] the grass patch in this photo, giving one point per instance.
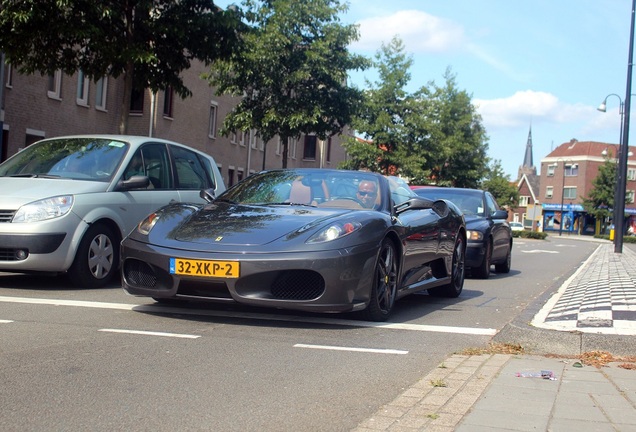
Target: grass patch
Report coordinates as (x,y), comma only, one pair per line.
(495,348)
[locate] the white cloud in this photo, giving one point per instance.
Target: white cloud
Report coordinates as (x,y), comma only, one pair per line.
(420,32)
(528,106)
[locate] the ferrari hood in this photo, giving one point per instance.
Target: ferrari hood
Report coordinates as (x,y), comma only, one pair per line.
(241,225)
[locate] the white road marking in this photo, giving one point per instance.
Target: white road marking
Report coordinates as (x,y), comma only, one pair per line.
(268,317)
(340,348)
(5,321)
(151,333)
(532,251)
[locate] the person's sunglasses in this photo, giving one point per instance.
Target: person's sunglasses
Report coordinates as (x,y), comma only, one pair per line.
(366,193)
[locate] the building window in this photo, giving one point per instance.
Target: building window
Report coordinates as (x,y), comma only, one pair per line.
(291,150)
(549,191)
(233,137)
(168,95)
(8,73)
(253,139)
(239,174)
(279,146)
(101,90)
(571,170)
(82,88)
(55,85)
(551,168)
(230,176)
(212,120)
(629,196)
(631,174)
(523,201)
(309,149)
(137,101)
(241,136)
(569,193)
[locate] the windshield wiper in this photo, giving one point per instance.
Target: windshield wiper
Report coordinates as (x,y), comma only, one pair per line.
(34,176)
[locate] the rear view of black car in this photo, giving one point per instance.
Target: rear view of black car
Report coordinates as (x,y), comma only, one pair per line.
(488,232)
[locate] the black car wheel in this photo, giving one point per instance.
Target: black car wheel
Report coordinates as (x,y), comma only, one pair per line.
(456,285)
(384,287)
(97,258)
(504,267)
(483,271)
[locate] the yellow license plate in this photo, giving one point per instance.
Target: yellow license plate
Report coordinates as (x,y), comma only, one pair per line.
(204,268)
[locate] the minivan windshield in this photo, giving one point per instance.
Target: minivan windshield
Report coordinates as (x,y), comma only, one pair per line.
(71,158)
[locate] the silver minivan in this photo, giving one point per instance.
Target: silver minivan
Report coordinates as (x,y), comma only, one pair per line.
(66,202)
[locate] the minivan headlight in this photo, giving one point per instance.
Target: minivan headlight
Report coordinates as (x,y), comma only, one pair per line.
(49,208)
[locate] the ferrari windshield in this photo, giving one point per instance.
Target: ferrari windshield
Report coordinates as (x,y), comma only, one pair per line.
(72,158)
(352,189)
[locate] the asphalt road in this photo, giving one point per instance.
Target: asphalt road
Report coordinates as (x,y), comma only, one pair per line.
(74,359)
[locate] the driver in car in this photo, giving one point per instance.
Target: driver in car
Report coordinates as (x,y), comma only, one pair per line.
(367,192)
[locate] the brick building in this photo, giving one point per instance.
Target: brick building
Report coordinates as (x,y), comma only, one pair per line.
(566,176)
(35,107)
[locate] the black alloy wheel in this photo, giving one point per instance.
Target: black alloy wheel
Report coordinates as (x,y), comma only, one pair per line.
(384,289)
(458,271)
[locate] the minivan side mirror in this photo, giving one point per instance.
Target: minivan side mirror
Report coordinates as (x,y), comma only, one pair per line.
(208,195)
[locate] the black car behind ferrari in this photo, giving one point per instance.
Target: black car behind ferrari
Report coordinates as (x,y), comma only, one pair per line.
(305,239)
(489,234)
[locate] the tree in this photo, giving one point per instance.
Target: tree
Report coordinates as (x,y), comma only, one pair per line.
(387,118)
(434,135)
(600,200)
(291,71)
(148,42)
(499,185)
(457,144)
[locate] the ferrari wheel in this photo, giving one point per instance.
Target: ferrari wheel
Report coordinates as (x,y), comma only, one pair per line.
(456,285)
(384,287)
(483,271)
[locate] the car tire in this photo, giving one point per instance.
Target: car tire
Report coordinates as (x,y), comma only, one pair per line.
(384,285)
(483,271)
(97,258)
(504,267)
(454,288)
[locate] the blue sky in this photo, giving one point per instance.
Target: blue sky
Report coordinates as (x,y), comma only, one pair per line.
(545,64)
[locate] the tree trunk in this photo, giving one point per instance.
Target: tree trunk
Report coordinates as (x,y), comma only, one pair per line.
(284,140)
(124,111)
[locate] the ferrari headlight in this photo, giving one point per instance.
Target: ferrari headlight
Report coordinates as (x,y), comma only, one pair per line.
(334,231)
(474,235)
(146,225)
(45,209)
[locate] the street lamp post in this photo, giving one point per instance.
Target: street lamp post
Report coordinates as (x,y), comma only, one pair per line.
(619,223)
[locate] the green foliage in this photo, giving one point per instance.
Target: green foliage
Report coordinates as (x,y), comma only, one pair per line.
(498,183)
(431,136)
(530,235)
(600,200)
(292,71)
(157,39)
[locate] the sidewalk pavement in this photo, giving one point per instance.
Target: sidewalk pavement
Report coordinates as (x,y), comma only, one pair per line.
(580,374)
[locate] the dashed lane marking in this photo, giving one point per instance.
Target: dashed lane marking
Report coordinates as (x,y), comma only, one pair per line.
(151,333)
(341,348)
(243,315)
(5,321)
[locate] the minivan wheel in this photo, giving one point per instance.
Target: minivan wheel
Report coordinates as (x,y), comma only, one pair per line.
(97,258)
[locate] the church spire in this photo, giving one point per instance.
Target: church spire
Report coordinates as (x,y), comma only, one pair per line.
(528,164)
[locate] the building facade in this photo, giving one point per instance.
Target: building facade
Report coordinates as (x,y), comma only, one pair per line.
(566,177)
(36,107)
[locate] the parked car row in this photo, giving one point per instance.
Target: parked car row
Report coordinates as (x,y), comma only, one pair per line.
(157,213)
